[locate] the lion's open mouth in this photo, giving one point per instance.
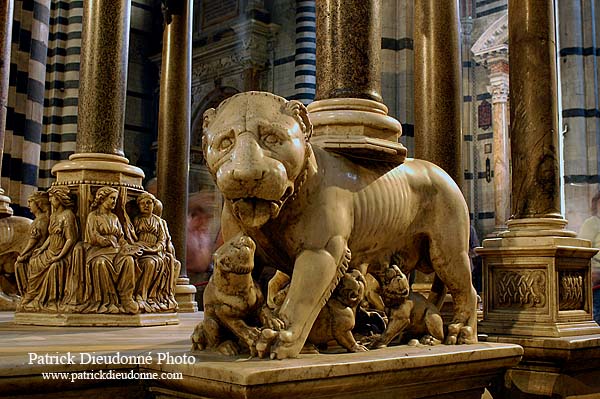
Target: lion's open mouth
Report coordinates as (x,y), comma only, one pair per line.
(254,212)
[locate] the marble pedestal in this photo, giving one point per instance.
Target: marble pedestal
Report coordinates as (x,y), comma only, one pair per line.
(537,283)
(553,367)
(462,371)
(537,287)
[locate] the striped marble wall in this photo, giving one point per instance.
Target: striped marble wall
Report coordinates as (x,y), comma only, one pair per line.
(578,55)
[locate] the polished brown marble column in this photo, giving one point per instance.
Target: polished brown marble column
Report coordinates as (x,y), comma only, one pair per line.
(348,114)
(6,18)
(174,120)
(438,85)
(349,49)
(103,76)
(534,110)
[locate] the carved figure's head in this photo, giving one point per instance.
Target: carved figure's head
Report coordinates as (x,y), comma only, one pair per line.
(395,286)
(351,288)
(60,195)
(256,147)
(146,203)
(105,196)
(39,201)
(236,255)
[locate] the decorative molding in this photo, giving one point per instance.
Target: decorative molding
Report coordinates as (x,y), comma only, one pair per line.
(520,289)
(493,43)
(571,293)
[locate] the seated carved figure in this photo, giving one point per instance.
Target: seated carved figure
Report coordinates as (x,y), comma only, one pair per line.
(306,208)
(39,204)
(231,300)
(410,314)
(110,272)
(156,264)
(49,263)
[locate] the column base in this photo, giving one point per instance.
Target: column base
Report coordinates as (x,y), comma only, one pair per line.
(185,295)
(537,281)
(553,367)
(357,128)
(5,209)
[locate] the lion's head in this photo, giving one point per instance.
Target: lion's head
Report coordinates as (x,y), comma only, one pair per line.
(236,255)
(256,147)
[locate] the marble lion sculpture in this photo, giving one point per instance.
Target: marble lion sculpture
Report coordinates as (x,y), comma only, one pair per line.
(305,208)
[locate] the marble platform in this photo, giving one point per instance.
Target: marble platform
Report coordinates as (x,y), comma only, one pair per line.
(399,372)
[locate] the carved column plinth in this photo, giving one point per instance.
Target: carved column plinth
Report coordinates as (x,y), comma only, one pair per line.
(537,294)
(537,286)
(84,175)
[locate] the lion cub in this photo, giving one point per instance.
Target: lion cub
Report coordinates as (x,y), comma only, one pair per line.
(410,314)
(231,300)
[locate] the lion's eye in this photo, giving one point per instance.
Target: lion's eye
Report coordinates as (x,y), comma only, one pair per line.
(271,139)
(225,144)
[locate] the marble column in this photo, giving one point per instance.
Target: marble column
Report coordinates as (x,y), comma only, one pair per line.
(103,77)
(499,90)
(174,120)
(6,18)
(349,49)
(438,85)
(305,57)
(536,275)
(348,114)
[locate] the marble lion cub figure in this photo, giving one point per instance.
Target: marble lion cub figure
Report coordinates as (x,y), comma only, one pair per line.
(409,313)
(306,207)
(231,300)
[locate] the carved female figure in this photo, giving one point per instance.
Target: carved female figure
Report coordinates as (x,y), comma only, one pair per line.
(48,264)
(39,205)
(110,264)
(153,264)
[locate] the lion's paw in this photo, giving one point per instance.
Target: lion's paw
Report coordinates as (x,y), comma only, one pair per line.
(429,340)
(359,348)
(467,336)
(228,348)
(264,342)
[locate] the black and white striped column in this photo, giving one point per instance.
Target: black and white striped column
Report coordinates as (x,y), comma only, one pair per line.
(306,49)
(25,109)
(62,87)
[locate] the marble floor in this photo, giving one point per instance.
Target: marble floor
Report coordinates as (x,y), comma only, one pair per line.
(21,339)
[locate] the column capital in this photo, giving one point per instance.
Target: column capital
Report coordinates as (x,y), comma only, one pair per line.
(499,89)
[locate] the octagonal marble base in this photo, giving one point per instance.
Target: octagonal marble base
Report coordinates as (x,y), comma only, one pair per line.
(91,319)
